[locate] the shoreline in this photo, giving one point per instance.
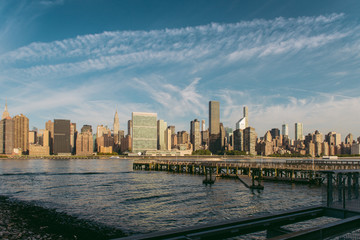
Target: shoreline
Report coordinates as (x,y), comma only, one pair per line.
(23,220)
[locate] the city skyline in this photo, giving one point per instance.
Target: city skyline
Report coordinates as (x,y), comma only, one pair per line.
(59,60)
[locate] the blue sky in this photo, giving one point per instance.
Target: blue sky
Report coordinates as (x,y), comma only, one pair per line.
(288,61)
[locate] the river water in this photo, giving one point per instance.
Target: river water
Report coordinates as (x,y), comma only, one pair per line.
(111,192)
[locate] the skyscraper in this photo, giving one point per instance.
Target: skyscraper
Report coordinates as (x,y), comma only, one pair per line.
(49,125)
(250,140)
(62,137)
(214,127)
(244,121)
(21,133)
(84,141)
(144,132)
(285,130)
(6,135)
(5,113)
(246,116)
(161,127)
(214,117)
(116,127)
(203,125)
(195,136)
(298,131)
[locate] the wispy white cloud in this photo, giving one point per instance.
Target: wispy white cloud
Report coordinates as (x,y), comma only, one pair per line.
(283,69)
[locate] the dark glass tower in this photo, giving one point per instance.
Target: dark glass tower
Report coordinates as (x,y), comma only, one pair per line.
(62,136)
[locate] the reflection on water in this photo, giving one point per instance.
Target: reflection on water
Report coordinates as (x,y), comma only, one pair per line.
(110,192)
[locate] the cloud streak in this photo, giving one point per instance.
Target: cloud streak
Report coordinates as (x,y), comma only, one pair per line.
(284,69)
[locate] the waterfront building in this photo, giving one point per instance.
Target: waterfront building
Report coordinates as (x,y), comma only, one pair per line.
(62,137)
(49,125)
(285,129)
(84,143)
(298,132)
(203,125)
(7,135)
(195,136)
(144,132)
(250,140)
(21,133)
(161,127)
(38,150)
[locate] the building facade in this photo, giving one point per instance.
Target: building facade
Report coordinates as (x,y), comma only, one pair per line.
(195,135)
(62,137)
(144,132)
(21,133)
(298,131)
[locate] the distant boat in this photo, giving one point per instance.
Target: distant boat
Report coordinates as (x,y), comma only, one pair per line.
(116,157)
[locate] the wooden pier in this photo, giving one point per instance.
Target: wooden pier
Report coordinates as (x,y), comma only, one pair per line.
(297,171)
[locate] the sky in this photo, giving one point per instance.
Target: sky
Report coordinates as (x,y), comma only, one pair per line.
(287,60)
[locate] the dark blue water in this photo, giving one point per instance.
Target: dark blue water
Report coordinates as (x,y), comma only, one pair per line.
(110,192)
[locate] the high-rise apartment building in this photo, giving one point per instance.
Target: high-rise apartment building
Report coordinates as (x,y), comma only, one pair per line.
(62,137)
(144,132)
(21,133)
(195,136)
(298,131)
(285,130)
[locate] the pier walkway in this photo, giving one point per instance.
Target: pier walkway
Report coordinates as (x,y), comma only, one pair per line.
(302,171)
